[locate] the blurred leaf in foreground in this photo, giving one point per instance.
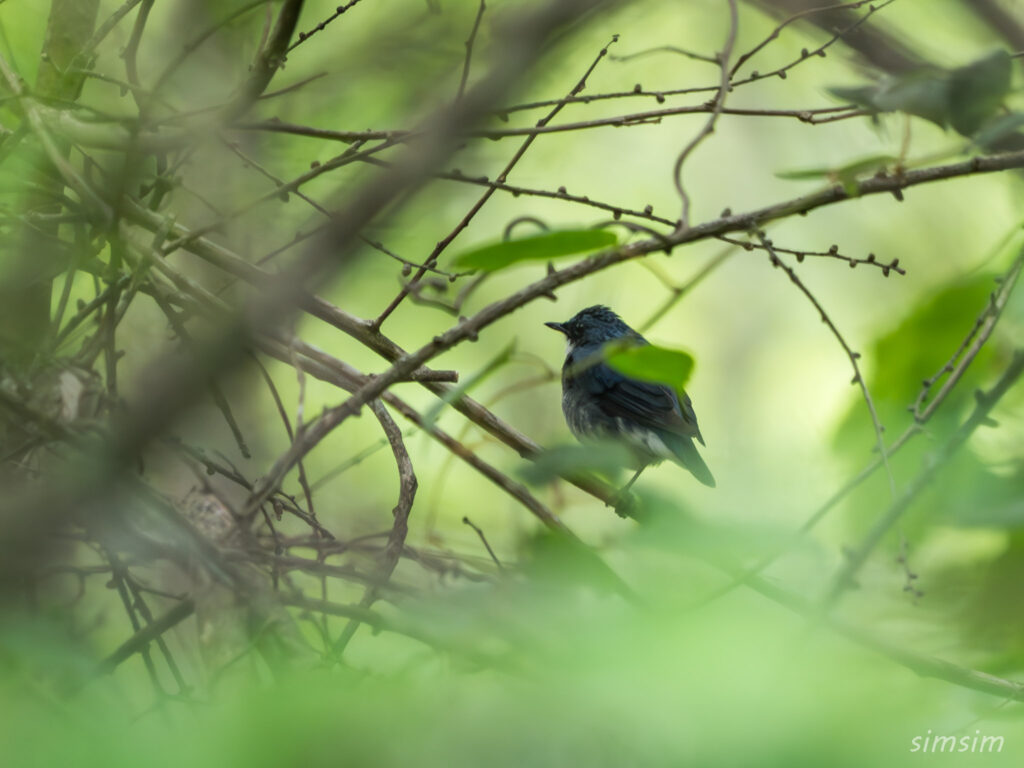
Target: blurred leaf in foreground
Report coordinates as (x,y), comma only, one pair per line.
(606,458)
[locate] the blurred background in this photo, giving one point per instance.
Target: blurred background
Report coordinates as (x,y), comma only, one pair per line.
(502,641)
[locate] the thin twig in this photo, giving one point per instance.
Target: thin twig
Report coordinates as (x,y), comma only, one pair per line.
(304,36)
(709,126)
(971,345)
(483,539)
(858,376)
(469,50)
(666,49)
(407,485)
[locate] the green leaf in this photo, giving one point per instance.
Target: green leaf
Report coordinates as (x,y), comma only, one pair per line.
(549,245)
(843,174)
(805,173)
(976,91)
(965,97)
(924,93)
(861,95)
(653,363)
(606,458)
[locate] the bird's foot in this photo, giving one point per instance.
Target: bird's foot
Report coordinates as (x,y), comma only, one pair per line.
(624,503)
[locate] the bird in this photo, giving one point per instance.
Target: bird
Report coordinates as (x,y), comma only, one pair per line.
(651,419)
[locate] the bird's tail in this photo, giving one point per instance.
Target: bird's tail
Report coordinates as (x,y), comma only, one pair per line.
(687,455)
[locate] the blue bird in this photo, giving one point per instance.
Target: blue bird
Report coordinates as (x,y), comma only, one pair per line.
(601,403)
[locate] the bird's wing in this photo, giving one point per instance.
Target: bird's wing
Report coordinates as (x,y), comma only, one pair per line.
(652,405)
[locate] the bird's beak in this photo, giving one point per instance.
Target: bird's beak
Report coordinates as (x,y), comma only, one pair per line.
(557,326)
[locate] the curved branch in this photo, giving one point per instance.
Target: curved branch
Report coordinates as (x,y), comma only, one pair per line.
(407,485)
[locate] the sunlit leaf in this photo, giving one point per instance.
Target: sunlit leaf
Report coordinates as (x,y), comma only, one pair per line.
(653,363)
(550,245)
(977,90)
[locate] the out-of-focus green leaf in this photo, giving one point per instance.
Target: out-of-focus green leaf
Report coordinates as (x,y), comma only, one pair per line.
(861,95)
(965,97)
(973,496)
(915,350)
(998,128)
(976,91)
(653,363)
(924,93)
(550,245)
(606,458)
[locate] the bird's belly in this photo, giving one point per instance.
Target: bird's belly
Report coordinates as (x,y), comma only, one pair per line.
(646,443)
(587,421)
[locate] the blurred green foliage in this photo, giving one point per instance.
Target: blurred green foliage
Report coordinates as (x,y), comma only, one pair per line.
(519,646)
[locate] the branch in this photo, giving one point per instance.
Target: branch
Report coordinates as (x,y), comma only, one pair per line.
(809,116)
(269,61)
(304,36)
(141,639)
(809,12)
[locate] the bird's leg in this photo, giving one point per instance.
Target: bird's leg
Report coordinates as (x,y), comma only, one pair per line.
(632,480)
(622,502)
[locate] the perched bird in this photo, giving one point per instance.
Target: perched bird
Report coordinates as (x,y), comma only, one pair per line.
(601,403)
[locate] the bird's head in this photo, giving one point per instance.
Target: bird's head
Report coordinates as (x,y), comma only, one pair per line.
(593,325)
